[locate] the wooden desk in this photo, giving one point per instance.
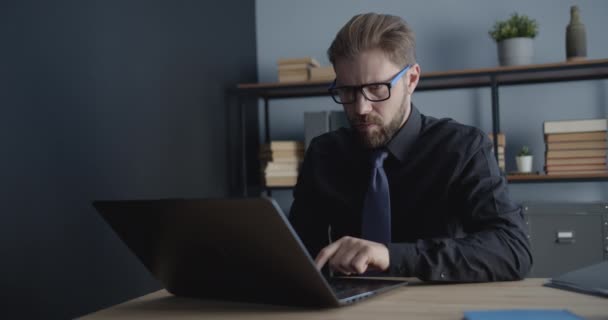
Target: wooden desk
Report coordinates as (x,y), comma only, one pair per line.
(415,301)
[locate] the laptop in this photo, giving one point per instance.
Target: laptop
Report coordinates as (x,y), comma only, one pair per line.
(230,249)
(591,280)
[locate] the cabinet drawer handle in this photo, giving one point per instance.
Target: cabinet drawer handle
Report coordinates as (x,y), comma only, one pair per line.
(565,237)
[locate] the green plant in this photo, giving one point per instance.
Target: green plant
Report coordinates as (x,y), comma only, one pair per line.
(516,26)
(525,151)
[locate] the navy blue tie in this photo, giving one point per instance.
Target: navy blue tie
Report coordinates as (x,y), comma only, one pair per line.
(376,217)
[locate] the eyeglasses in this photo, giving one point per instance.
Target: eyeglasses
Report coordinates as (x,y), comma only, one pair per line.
(375,92)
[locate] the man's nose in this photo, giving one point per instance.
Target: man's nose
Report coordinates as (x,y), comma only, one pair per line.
(362,105)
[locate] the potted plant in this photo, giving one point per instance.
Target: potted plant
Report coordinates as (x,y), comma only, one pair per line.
(524,160)
(514,39)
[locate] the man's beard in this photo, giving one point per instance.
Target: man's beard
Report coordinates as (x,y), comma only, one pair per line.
(380,137)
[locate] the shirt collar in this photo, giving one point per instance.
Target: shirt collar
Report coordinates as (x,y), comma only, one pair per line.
(403,140)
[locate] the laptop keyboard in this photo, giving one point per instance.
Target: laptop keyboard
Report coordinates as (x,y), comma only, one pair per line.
(346,288)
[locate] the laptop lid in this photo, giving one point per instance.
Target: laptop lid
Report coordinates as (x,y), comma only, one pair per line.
(591,279)
(228,249)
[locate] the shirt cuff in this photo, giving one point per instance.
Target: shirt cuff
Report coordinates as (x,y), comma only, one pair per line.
(403,258)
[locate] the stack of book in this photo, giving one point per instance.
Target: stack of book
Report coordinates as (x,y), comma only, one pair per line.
(281,162)
(576,147)
(322,74)
(296,69)
(502,142)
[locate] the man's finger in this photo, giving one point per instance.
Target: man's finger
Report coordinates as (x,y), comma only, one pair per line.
(343,256)
(342,259)
(361,262)
(325,254)
(341,263)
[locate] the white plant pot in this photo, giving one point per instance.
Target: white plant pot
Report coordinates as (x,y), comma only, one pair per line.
(515,51)
(524,163)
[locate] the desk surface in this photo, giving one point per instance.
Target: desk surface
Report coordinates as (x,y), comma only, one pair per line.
(415,301)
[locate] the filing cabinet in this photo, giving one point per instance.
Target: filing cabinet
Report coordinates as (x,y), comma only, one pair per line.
(566,236)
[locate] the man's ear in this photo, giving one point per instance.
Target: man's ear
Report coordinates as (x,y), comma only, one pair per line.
(413,77)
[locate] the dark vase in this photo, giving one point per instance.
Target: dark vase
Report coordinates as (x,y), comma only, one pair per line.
(576,38)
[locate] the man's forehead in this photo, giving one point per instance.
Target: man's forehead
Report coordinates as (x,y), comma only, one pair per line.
(368,66)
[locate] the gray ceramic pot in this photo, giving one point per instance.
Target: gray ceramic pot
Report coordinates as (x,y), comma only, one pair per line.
(515,51)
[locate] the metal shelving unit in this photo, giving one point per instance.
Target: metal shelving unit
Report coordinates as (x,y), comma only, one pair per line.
(493,78)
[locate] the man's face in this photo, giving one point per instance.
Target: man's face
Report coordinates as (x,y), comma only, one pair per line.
(375,122)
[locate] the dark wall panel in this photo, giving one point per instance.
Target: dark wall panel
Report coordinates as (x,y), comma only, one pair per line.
(106,100)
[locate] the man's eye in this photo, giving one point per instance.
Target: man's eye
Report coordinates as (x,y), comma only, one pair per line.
(374,87)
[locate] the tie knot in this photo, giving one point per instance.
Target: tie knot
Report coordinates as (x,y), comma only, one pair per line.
(378,156)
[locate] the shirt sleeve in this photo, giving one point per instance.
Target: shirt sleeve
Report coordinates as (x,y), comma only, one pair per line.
(307,216)
(495,246)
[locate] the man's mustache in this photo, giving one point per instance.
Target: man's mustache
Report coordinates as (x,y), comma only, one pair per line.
(367,120)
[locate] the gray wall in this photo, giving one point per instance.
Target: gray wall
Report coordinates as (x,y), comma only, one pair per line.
(451,35)
(106,100)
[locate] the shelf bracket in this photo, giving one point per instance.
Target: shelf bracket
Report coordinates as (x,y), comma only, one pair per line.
(266,121)
(243,143)
(495,114)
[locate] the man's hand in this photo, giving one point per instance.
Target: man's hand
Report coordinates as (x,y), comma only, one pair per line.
(354,256)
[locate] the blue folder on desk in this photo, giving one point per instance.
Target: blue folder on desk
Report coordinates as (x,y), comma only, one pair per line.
(521,314)
(591,280)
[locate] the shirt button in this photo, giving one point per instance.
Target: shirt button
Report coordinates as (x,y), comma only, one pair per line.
(442,275)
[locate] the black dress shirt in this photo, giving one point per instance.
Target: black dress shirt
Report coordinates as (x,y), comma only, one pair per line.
(452,217)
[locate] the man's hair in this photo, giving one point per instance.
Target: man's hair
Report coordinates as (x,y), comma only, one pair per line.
(370,31)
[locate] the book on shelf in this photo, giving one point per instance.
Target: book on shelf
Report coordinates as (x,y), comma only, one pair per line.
(502,141)
(281,181)
(576,136)
(270,155)
(292,160)
(576,161)
(501,151)
(280,162)
(577,145)
(293,77)
(527,174)
(303,60)
(502,165)
(298,72)
(281,166)
(282,173)
(567,126)
(322,73)
(589,153)
(576,167)
(294,67)
(577,172)
(283,145)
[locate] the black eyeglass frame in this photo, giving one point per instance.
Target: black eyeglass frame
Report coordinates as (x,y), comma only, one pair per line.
(335,96)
